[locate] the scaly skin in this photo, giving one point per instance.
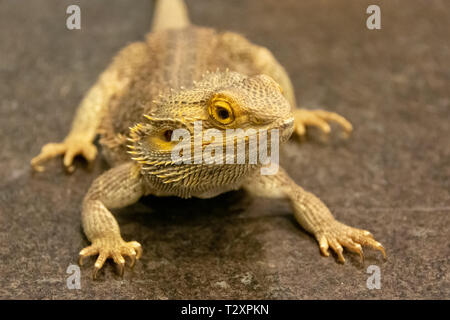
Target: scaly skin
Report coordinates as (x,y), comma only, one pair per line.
(168,82)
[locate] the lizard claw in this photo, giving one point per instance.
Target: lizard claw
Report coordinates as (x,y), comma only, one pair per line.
(339,236)
(320,119)
(112,248)
(70,147)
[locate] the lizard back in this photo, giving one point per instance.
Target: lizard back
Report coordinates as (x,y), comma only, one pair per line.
(168,59)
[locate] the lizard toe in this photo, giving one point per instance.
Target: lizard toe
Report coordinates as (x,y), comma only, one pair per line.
(115,249)
(319,119)
(338,236)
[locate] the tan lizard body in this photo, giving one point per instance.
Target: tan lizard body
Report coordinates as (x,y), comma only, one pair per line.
(179,75)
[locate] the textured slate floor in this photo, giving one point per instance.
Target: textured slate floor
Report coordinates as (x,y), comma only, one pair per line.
(391,176)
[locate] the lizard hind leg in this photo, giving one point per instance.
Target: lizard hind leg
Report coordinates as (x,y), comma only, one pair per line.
(320,119)
(70,148)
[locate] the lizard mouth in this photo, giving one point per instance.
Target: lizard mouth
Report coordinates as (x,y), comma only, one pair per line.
(286,129)
(287,124)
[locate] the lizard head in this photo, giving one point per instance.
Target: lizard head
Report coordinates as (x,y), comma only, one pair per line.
(220,104)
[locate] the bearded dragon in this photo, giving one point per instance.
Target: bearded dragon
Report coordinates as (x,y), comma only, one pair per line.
(180,74)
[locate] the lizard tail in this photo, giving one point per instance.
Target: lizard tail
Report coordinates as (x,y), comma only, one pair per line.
(170,14)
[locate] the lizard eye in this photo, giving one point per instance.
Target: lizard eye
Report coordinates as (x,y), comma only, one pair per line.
(168,135)
(221,111)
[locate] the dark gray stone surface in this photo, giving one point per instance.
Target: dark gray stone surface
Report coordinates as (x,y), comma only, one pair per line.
(391,176)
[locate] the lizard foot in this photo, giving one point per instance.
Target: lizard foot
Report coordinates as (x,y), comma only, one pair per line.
(338,235)
(320,119)
(70,147)
(111,248)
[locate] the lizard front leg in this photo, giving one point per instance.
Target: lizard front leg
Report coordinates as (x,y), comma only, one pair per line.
(313,215)
(116,188)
